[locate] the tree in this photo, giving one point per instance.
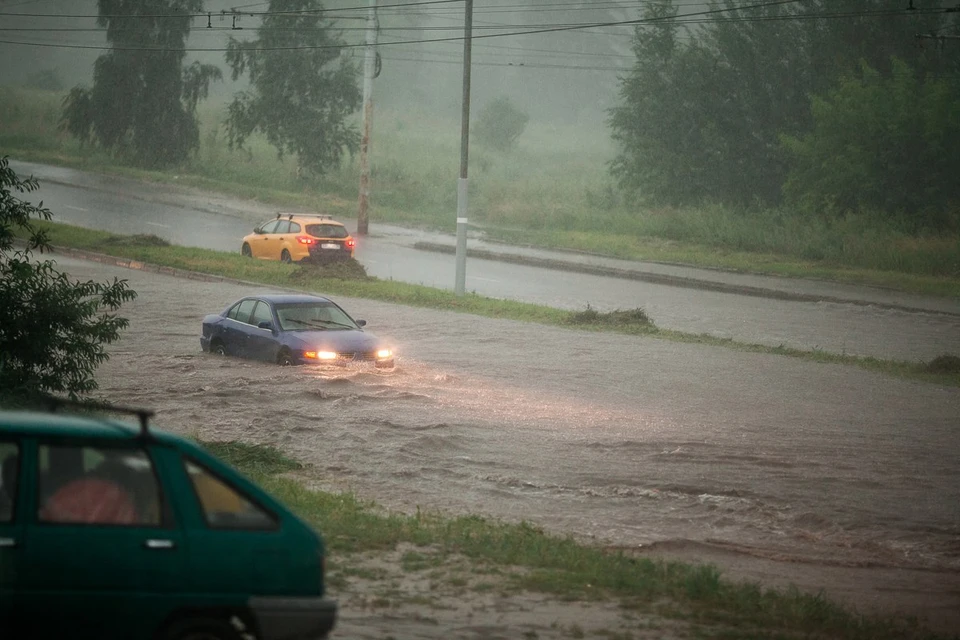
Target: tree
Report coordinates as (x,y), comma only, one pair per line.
(500,124)
(661,123)
(52,330)
(143,101)
(881,144)
(299,96)
(701,113)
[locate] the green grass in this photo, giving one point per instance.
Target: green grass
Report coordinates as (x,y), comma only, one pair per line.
(552,191)
(942,370)
(559,565)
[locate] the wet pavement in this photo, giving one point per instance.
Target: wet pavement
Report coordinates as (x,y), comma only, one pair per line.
(754,309)
(673,274)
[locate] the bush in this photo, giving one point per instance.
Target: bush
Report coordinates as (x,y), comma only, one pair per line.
(946,363)
(881,144)
(45,80)
(321,266)
(500,124)
(52,329)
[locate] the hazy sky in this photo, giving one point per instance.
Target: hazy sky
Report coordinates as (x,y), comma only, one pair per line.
(568,74)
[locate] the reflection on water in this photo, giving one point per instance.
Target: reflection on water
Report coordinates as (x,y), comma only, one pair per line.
(627,439)
(617,471)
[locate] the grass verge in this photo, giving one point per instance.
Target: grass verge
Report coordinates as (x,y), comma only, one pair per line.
(944,369)
(553,190)
(532,559)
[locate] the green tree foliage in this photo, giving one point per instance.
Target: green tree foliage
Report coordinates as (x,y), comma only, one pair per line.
(301,91)
(662,124)
(143,101)
(500,124)
(701,113)
(883,144)
(52,329)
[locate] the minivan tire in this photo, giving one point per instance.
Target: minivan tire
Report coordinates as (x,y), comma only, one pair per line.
(202,629)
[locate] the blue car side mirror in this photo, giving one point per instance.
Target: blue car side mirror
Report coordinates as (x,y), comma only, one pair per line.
(265,325)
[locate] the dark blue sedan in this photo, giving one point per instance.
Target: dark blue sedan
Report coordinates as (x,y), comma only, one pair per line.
(292,329)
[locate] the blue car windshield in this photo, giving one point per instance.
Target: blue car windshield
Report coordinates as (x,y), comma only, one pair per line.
(312,316)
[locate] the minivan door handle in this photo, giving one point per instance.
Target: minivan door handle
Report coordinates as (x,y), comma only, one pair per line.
(8,542)
(155,543)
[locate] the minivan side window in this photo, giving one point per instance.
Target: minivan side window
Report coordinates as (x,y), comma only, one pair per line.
(82,484)
(224,506)
(9,479)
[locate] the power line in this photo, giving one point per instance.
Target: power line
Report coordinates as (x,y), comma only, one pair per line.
(681,19)
(548,26)
(205,14)
(515,65)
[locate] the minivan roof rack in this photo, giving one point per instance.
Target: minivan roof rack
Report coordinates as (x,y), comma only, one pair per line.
(144,415)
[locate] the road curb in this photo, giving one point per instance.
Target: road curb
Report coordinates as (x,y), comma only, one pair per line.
(655,278)
(149,267)
(669,280)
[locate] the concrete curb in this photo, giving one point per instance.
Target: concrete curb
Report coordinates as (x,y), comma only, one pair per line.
(669,280)
(103,258)
(656,278)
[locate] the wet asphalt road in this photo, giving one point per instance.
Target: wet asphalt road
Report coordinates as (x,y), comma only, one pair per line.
(195,218)
(626,440)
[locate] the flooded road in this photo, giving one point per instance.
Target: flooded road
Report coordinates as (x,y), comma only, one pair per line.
(625,440)
(204,219)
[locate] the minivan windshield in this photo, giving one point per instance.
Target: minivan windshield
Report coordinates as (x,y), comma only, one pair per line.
(312,316)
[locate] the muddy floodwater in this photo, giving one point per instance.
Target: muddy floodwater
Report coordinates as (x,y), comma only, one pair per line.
(628,441)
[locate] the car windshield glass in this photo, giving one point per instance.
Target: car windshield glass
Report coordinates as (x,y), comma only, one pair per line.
(312,316)
(327,231)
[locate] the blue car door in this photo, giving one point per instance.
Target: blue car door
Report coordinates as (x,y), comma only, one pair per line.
(236,328)
(261,341)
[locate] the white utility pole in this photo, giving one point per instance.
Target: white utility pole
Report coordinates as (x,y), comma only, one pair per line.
(464,154)
(369,71)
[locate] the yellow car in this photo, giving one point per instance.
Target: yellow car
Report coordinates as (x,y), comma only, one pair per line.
(293,237)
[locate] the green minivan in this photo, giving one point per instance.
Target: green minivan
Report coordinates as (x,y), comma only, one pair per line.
(116,530)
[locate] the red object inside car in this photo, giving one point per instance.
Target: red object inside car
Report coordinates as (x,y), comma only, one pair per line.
(90,500)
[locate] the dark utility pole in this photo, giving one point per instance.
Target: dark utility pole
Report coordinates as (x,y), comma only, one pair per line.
(464,154)
(369,71)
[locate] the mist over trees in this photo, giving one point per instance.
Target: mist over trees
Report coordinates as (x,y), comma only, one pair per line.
(734,109)
(299,102)
(143,102)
